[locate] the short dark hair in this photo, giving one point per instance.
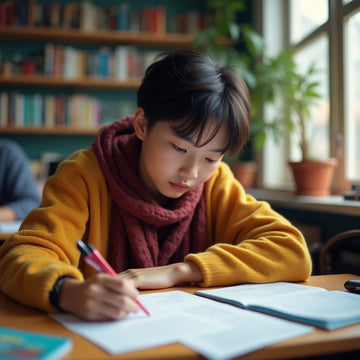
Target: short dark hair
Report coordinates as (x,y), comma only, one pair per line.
(187,85)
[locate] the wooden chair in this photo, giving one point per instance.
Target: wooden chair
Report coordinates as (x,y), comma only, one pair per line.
(341,254)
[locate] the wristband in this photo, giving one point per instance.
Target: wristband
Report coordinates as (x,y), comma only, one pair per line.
(54,294)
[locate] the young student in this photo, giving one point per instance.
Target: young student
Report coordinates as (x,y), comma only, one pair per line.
(18,190)
(154,197)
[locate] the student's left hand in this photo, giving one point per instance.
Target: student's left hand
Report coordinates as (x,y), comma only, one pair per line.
(163,276)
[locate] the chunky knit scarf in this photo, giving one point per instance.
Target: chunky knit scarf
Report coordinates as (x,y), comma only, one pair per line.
(142,233)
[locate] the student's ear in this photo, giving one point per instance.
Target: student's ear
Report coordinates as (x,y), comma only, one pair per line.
(140,123)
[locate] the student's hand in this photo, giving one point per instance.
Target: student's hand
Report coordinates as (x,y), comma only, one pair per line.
(7,213)
(101,297)
(163,276)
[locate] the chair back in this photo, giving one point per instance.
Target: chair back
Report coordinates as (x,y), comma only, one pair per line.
(341,254)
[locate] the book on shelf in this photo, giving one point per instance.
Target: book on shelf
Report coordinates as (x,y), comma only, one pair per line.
(88,16)
(19,344)
(4,109)
(306,304)
(50,111)
(122,14)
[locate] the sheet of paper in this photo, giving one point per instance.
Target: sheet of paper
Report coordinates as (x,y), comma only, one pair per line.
(9,227)
(197,322)
(250,331)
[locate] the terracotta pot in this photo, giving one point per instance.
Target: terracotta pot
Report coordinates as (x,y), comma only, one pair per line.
(312,177)
(245,172)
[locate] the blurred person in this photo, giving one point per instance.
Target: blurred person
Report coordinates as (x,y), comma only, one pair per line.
(18,189)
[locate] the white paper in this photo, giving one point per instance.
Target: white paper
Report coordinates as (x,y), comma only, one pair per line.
(9,227)
(251,332)
(217,331)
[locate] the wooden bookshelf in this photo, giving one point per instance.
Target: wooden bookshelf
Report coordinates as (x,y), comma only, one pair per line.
(76,36)
(43,80)
(105,37)
(58,130)
(58,35)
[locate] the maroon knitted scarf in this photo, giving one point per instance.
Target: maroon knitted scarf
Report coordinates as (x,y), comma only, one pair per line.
(142,233)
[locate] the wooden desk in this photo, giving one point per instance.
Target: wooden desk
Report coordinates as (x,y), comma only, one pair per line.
(320,342)
(4,236)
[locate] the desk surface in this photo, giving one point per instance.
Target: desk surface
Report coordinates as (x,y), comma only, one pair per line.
(4,236)
(319,342)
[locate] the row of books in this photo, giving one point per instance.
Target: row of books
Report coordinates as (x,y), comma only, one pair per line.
(89,17)
(120,63)
(51,111)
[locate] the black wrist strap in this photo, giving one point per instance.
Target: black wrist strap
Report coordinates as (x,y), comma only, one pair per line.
(54,294)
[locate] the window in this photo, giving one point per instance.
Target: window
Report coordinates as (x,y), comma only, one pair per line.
(352,96)
(318,129)
(327,33)
(306,16)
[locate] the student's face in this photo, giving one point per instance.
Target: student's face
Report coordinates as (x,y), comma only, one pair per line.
(170,166)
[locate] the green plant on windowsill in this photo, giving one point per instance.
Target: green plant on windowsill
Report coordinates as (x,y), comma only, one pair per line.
(271,80)
(313,177)
(300,96)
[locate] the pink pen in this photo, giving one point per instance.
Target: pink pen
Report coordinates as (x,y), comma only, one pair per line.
(90,261)
(100,260)
(97,261)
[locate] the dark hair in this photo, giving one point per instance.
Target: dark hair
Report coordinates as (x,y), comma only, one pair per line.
(187,85)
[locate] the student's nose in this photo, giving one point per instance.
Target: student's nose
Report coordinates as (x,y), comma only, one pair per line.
(189,169)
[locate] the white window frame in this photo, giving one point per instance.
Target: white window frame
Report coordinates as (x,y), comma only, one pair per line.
(272,20)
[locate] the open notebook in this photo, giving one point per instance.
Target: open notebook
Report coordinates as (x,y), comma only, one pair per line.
(307,304)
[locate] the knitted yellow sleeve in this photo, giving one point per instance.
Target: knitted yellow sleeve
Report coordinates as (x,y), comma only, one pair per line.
(248,241)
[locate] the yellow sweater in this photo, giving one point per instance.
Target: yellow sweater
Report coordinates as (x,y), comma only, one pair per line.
(248,241)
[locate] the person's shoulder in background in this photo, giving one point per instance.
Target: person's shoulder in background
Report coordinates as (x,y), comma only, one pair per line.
(18,188)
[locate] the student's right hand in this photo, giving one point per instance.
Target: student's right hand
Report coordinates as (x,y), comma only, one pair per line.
(101,297)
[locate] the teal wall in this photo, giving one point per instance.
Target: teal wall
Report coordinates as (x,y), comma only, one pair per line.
(35,145)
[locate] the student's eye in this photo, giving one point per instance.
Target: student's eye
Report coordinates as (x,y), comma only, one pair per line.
(210,161)
(177,148)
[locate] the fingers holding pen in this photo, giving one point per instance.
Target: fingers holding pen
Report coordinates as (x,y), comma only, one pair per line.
(119,297)
(119,285)
(101,297)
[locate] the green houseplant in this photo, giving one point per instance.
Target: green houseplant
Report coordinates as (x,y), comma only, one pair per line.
(312,176)
(269,79)
(264,75)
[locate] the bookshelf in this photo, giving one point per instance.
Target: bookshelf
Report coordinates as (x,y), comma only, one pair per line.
(95,37)
(24,38)
(16,81)
(42,80)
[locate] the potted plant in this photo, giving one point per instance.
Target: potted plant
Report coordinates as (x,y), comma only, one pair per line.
(313,177)
(268,78)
